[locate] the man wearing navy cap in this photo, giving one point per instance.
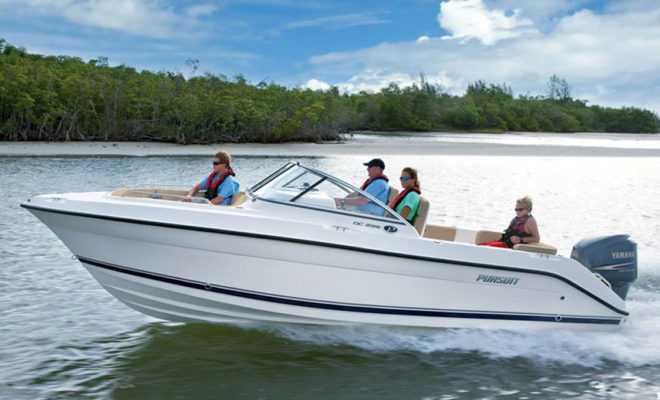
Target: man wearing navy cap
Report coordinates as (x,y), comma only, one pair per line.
(376,185)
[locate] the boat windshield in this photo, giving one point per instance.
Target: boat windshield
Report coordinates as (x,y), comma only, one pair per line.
(302,186)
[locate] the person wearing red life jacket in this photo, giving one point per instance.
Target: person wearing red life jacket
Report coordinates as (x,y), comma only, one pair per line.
(220,185)
(376,185)
(407,202)
(522,229)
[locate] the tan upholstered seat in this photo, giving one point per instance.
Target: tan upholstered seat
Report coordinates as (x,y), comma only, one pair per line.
(422,215)
(393,193)
(487,236)
(437,232)
(536,248)
(238,198)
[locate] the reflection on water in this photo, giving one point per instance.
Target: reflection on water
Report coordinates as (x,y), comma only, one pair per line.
(205,361)
(65,337)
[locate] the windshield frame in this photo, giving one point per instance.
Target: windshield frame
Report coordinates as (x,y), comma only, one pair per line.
(325,177)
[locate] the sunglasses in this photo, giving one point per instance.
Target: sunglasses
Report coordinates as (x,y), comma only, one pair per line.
(216,163)
(405,178)
(519,209)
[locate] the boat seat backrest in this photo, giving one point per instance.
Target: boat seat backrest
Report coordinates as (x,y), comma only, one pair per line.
(422,215)
(437,232)
(393,193)
(238,198)
(487,236)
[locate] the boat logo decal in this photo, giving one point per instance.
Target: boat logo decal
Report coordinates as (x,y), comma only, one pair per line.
(367,224)
(502,280)
(623,254)
(390,228)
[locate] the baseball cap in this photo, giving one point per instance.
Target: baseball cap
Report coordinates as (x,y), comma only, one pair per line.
(376,162)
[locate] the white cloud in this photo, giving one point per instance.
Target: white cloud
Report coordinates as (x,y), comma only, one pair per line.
(543,13)
(372,80)
(470,19)
(201,10)
(589,50)
(150,18)
(337,21)
(422,39)
(315,84)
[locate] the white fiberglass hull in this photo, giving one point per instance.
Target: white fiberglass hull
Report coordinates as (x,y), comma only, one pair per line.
(217,268)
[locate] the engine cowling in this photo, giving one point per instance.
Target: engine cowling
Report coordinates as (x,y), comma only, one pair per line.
(614,257)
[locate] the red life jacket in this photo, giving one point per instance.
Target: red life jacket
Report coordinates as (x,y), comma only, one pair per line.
(371,180)
(399,198)
(212,187)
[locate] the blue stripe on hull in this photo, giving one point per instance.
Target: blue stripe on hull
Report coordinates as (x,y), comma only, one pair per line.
(349,307)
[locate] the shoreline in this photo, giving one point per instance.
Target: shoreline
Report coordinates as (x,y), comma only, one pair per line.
(345,148)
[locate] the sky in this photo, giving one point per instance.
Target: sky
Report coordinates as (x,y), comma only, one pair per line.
(608,51)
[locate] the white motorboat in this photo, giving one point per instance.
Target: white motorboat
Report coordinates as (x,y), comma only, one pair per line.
(285,251)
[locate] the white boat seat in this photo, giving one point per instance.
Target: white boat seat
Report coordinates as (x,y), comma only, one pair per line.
(422,215)
(437,232)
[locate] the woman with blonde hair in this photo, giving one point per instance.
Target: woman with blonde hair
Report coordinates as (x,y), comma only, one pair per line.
(407,202)
(522,229)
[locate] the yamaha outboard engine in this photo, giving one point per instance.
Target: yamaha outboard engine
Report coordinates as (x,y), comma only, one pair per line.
(613,257)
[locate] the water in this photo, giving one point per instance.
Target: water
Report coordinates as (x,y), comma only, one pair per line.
(603,140)
(62,336)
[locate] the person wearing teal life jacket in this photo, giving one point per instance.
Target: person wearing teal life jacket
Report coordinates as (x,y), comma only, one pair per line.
(407,202)
(221,184)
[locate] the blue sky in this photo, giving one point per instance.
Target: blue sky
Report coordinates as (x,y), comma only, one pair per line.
(608,51)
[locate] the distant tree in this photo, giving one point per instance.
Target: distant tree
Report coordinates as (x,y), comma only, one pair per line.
(99,61)
(193,64)
(558,89)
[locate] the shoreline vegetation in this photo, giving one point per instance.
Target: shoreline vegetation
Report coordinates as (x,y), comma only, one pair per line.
(64,99)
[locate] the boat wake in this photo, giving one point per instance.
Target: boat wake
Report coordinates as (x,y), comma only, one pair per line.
(635,345)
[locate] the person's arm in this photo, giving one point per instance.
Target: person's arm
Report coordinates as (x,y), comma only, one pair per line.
(192,192)
(410,201)
(352,199)
(225,191)
(376,189)
(533,230)
(217,200)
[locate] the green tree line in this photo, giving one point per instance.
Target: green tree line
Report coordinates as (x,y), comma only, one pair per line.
(60,98)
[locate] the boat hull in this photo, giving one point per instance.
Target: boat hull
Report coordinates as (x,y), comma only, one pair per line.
(184,273)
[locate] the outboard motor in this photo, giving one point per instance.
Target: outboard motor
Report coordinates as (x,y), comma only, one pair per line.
(613,257)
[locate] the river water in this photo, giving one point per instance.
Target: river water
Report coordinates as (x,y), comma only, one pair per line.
(63,336)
